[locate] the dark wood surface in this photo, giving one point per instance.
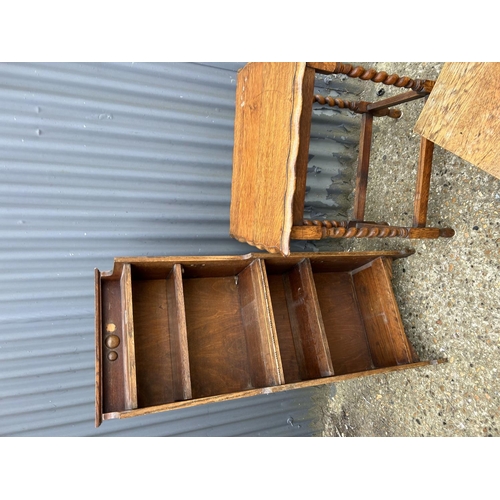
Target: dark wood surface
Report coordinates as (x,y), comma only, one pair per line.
(284,331)
(128,338)
(308,332)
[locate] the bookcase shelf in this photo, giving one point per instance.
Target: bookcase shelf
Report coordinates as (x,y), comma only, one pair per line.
(173,332)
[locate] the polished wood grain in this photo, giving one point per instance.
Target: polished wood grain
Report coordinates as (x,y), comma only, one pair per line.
(218,354)
(98,347)
(266,146)
(430,232)
(462,114)
(357,229)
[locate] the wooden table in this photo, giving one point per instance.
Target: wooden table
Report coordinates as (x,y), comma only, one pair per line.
(462,114)
(274,103)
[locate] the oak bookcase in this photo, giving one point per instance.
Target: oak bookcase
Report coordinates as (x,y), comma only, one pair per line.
(174,332)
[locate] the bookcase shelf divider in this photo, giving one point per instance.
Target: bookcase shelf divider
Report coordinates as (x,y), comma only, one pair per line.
(128,338)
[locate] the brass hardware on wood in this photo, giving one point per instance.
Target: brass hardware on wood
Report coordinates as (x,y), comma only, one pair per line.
(112,342)
(113,356)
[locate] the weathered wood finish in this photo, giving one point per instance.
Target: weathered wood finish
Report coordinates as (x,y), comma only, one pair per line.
(384,328)
(266,147)
(365,143)
(260,329)
(462,114)
(235,326)
(177,325)
(272,131)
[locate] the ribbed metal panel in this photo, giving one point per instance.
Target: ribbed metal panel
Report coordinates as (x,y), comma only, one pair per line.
(105,160)
(333,150)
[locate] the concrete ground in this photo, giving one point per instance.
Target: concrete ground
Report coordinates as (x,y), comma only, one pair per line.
(448,291)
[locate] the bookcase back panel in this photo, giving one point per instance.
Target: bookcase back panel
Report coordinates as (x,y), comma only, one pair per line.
(344,325)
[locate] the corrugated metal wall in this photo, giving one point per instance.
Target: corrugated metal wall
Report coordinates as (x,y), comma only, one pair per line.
(105,160)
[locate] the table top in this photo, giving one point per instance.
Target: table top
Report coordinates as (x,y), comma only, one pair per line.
(266,143)
(462,113)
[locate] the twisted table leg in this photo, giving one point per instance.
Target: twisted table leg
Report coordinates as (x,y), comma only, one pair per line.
(355,106)
(395,80)
(319,229)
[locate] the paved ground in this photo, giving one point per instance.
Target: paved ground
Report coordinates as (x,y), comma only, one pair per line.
(448,292)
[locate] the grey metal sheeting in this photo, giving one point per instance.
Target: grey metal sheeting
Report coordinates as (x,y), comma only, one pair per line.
(106,160)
